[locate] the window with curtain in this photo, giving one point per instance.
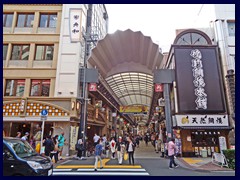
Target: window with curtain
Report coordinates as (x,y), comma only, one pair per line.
(20,52)
(44,52)
(40,87)
(15,87)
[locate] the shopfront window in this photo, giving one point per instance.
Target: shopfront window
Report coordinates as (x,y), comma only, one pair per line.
(204,138)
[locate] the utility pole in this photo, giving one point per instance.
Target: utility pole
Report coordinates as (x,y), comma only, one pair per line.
(84,93)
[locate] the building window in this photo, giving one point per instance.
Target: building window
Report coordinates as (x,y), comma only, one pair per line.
(20,52)
(231,28)
(7,20)
(5,48)
(15,87)
(48,20)
(25,20)
(44,52)
(40,87)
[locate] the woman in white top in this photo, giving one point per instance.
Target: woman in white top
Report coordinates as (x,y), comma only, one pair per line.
(113,148)
(130,149)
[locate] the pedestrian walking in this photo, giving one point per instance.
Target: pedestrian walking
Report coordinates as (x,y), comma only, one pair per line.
(25,137)
(95,139)
(98,153)
(171,153)
(146,139)
(32,142)
(49,145)
(107,147)
(54,152)
(130,147)
(18,135)
(80,149)
(113,148)
(61,140)
(120,146)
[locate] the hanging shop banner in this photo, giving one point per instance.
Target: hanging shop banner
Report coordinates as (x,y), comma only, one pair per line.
(202,120)
(75,17)
(198,78)
(133,109)
(73,136)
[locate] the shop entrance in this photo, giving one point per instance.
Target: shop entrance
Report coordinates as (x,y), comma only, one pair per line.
(20,127)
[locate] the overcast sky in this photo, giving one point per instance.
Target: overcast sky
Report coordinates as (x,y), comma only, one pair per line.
(159,21)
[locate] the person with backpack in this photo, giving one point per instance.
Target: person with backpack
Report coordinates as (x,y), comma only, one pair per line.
(98,153)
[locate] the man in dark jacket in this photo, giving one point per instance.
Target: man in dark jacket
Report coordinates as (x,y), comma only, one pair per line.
(49,145)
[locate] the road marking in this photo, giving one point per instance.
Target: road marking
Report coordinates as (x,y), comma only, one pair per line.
(62,169)
(192,161)
(101,170)
(92,166)
(103,173)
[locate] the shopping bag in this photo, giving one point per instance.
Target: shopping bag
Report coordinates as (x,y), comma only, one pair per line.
(53,159)
(38,148)
(125,156)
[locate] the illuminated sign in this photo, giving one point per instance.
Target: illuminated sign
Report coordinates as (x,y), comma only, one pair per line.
(133,109)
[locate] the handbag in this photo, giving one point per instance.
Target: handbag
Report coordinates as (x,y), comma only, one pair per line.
(77,146)
(125,156)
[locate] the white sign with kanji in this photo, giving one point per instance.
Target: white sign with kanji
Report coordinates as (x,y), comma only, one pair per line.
(75,24)
(202,120)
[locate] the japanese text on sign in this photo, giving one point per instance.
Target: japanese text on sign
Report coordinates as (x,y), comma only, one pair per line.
(202,120)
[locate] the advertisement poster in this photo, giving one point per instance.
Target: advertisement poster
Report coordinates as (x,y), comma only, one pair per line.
(73,137)
(178,143)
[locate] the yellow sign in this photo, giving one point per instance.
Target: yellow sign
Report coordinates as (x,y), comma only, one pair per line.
(133,109)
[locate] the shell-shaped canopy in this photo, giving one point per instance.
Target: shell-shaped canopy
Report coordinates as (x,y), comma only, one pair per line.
(126,60)
(125,51)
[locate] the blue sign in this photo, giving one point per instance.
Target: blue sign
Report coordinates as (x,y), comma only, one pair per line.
(44,112)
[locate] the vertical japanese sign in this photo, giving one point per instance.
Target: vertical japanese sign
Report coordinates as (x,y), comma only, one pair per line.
(73,136)
(75,24)
(198,80)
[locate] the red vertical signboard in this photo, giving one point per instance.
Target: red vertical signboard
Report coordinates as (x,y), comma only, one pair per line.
(158,88)
(92,87)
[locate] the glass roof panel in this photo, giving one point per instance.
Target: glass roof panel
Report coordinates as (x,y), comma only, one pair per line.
(132,88)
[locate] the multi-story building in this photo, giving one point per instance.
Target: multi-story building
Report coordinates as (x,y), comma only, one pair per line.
(221,18)
(41,61)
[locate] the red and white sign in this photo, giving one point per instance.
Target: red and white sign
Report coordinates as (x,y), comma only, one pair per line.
(92,87)
(158,88)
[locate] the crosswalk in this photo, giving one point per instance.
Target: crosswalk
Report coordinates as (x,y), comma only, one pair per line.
(100,172)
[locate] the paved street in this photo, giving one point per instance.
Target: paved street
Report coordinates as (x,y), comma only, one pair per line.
(147,163)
